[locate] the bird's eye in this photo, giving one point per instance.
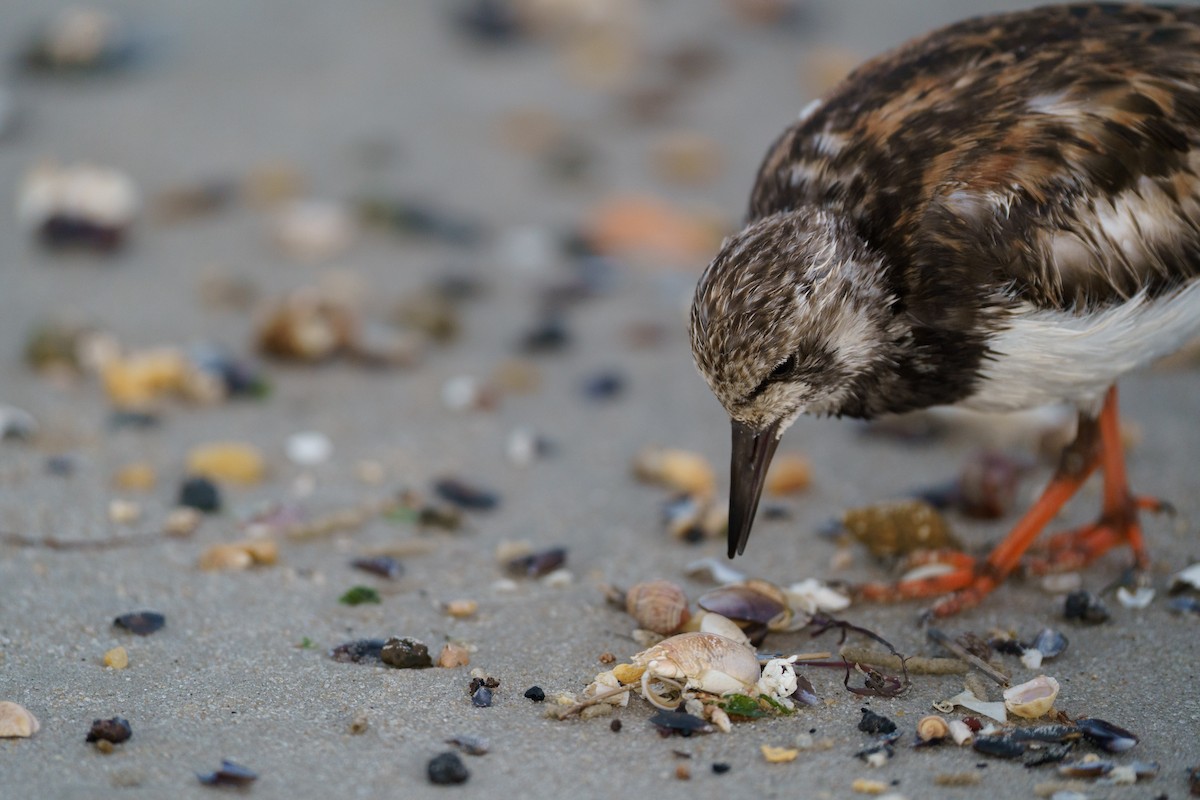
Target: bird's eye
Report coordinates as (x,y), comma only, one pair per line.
(784,369)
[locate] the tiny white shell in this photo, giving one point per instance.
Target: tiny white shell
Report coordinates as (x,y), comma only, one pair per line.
(1032,699)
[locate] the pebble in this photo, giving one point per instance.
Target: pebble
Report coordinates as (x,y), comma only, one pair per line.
(789,474)
(314,230)
(16,423)
(465,495)
(233,462)
(116,658)
(16,722)
(447,769)
(199,494)
(461,608)
(686,158)
(468,393)
(357,651)
(142,623)
(405,654)
(115,730)
(453,655)
(305,325)
(482,697)
(358,595)
(183,521)
(523,447)
(124,512)
(604,386)
(61,466)
(535,693)
(138,476)
(309,449)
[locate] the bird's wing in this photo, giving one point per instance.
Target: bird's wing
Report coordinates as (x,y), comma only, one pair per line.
(1054,153)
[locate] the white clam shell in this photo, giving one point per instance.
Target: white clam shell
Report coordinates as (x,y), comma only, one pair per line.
(1032,699)
(16,721)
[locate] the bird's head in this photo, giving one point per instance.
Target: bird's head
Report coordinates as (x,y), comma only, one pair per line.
(789,318)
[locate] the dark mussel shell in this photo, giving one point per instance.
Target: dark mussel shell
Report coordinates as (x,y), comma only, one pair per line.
(1106,736)
(1050,642)
(1001,746)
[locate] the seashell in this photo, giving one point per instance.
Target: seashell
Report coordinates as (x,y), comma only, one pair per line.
(932,728)
(78,206)
(1139,597)
(714,569)
(960,732)
(1032,699)
(1050,642)
(970,701)
(812,595)
(752,603)
(1106,736)
(1187,579)
(1052,733)
(702,661)
(789,474)
(660,606)
(709,622)
(895,529)
(1085,607)
(1000,746)
(679,470)
(16,721)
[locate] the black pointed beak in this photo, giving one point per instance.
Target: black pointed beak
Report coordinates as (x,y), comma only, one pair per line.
(752,452)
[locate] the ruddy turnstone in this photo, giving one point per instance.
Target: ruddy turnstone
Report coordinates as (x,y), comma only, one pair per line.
(1001,214)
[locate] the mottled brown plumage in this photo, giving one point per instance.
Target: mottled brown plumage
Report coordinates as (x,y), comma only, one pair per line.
(1002,213)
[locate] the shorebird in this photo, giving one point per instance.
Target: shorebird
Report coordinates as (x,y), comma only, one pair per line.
(1001,214)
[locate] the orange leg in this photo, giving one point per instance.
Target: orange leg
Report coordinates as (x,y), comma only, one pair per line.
(1097,444)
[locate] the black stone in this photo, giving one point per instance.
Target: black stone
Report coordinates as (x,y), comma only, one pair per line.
(200,494)
(447,769)
(143,623)
(535,693)
(875,723)
(115,730)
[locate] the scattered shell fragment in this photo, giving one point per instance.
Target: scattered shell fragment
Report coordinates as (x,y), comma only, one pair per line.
(124,512)
(471,745)
(16,722)
(230,774)
(138,476)
(866,786)
(454,655)
(234,462)
(1032,699)
(309,449)
(960,732)
(1187,579)
(461,608)
(16,423)
(779,755)
(660,606)
(240,555)
(466,495)
(116,658)
(715,569)
(702,661)
(968,700)
(755,605)
(383,566)
(1106,735)
(1085,607)
(899,528)
(306,325)
(78,206)
(538,564)
(679,470)
(313,230)
(811,595)
(142,623)
(1140,597)
(789,474)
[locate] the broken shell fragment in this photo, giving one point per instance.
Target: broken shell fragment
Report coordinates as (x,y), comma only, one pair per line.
(1050,642)
(702,661)
(78,206)
(1000,746)
(789,474)
(16,722)
(1085,607)
(970,701)
(1187,579)
(960,732)
(811,595)
(679,470)
(1106,736)
(1032,699)
(660,606)
(899,528)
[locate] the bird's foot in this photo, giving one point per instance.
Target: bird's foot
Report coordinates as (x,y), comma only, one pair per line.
(1075,549)
(928,573)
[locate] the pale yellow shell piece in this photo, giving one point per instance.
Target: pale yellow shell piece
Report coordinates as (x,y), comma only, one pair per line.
(16,722)
(1032,699)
